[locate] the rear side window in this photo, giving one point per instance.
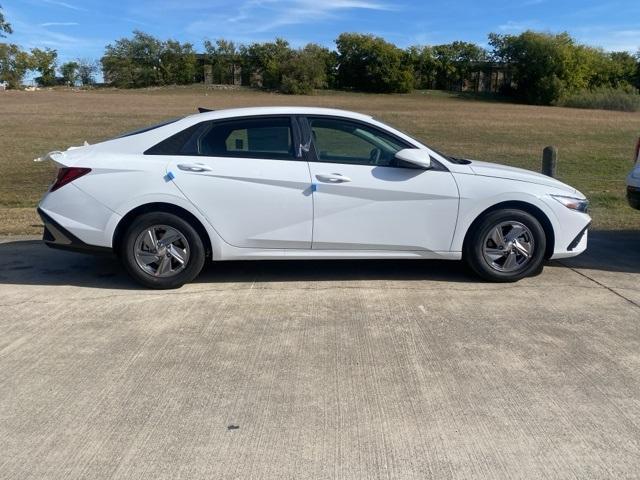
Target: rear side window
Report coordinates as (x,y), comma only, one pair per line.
(252,137)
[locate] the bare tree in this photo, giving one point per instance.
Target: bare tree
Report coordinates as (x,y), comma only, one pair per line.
(87,70)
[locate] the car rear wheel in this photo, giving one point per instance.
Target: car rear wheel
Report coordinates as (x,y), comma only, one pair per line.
(161,250)
(506,245)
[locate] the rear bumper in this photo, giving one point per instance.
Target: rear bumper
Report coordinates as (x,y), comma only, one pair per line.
(633,196)
(56,236)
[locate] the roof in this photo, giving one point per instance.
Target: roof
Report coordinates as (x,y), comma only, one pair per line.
(246,112)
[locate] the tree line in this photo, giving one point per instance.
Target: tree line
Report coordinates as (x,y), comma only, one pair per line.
(540,68)
(15,63)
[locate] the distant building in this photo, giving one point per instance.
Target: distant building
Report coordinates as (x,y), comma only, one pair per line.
(216,76)
(492,77)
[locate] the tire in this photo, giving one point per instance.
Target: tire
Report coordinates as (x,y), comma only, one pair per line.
(492,253)
(162,266)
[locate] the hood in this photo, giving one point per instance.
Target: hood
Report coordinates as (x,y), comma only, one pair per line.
(487,169)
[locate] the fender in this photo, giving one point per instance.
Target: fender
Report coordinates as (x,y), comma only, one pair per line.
(217,243)
(471,209)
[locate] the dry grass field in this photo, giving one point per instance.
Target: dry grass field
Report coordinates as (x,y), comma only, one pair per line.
(595,147)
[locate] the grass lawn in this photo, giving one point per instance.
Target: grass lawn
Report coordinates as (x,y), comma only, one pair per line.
(595,146)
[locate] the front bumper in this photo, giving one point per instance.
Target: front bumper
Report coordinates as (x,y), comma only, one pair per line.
(56,236)
(633,196)
(575,243)
(571,235)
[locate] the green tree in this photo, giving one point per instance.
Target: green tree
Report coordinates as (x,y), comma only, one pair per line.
(263,63)
(423,63)
(324,59)
(44,62)
(5,27)
(544,65)
(133,62)
(144,61)
(177,63)
(306,70)
(547,67)
(636,80)
(371,64)
(14,64)
(454,62)
(624,70)
(69,72)
(224,58)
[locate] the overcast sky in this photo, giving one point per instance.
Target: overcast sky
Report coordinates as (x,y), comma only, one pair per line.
(82,28)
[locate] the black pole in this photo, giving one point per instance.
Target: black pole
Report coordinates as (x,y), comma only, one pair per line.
(549,161)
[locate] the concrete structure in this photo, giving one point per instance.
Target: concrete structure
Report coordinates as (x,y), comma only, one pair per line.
(488,77)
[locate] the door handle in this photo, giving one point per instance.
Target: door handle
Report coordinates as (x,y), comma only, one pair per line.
(332,178)
(194,167)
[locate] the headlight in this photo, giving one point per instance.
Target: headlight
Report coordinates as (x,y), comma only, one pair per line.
(572,203)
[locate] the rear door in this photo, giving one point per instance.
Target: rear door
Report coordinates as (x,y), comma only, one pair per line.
(365,199)
(246,177)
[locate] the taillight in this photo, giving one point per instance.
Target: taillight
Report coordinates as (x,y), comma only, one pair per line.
(636,159)
(68,175)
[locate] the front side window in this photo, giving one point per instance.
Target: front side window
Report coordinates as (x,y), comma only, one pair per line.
(344,141)
(252,137)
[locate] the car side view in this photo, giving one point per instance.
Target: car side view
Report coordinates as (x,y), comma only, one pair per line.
(301,183)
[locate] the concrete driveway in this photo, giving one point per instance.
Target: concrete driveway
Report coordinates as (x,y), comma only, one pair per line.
(312,370)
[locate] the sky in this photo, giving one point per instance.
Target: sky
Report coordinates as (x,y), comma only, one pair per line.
(82,28)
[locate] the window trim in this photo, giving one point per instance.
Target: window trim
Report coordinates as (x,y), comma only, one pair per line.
(293,126)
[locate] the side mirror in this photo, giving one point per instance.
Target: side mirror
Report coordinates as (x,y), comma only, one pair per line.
(415,156)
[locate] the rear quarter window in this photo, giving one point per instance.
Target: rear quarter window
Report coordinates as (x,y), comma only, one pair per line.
(252,137)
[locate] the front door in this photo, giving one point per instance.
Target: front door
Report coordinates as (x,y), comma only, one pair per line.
(364,199)
(246,179)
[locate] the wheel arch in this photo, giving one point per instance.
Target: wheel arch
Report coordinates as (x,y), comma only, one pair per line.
(526,207)
(186,215)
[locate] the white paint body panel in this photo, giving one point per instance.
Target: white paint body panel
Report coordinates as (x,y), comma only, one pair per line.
(383,208)
(477,193)
(266,209)
(255,203)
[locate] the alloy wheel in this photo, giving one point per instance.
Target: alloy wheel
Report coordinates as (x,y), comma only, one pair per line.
(161,251)
(508,246)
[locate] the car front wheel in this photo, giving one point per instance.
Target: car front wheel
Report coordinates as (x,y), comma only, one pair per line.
(161,250)
(506,245)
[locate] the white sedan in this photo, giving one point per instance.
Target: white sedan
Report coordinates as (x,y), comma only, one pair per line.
(301,183)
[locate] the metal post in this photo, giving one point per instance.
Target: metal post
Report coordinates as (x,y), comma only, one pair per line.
(549,161)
